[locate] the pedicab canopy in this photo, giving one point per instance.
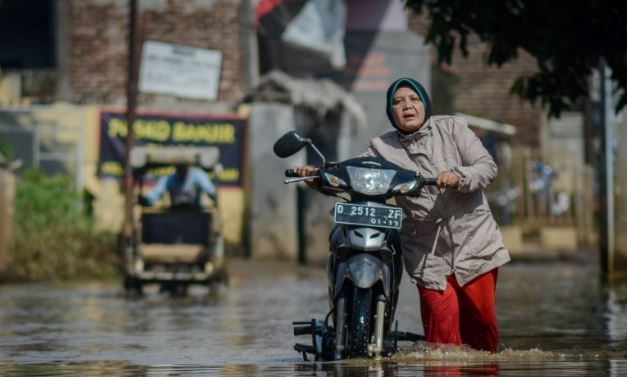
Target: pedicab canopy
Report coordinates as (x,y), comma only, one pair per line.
(206,158)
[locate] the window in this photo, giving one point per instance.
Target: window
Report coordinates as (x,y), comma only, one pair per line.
(27,34)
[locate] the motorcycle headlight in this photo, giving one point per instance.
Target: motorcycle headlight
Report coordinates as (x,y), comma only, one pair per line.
(370,181)
(334,181)
(405,187)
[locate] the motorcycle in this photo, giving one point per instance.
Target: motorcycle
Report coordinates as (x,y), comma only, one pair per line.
(364,264)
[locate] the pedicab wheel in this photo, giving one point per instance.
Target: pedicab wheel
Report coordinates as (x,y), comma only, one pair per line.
(220,279)
(223,276)
(174,289)
(133,285)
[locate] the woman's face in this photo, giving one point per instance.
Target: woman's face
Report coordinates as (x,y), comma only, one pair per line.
(408,111)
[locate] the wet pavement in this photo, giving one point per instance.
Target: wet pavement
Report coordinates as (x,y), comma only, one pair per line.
(555,320)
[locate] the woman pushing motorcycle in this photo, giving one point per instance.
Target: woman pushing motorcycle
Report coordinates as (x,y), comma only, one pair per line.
(452,246)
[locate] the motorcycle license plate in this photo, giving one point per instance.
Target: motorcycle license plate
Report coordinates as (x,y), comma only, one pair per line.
(359,214)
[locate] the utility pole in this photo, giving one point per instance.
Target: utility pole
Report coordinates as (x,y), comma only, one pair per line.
(606,188)
(131,104)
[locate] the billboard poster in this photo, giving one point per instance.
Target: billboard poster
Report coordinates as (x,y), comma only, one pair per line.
(227,132)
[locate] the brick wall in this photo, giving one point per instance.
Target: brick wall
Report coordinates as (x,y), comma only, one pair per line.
(98,42)
(470,86)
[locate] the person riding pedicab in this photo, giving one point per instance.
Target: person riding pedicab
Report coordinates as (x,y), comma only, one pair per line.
(452,246)
(185,187)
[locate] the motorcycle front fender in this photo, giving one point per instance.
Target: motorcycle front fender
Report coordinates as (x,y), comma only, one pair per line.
(364,270)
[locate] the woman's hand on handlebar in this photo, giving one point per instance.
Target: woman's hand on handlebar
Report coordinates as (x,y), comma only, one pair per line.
(305,170)
(448,179)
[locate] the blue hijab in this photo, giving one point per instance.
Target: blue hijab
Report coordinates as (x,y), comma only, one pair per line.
(415,86)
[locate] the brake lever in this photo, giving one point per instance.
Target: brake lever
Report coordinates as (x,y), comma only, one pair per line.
(300,179)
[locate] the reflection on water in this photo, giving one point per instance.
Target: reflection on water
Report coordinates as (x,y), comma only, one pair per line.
(555,320)
(339,369)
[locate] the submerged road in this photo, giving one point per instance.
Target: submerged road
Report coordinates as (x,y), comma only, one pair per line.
(555,320)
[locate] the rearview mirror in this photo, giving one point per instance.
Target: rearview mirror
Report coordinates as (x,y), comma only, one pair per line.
(289,144)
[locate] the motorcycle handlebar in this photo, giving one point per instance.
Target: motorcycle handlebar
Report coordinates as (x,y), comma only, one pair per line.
(290,173)
(429,181)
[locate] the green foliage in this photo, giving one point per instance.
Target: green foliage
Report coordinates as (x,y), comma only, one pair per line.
(567,39)
(54,237)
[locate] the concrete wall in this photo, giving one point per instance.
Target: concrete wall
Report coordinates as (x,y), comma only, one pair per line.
(273,212)
(7,198)
(620,192)
(276,208)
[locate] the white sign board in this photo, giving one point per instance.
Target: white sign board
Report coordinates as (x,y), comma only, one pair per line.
(179,70)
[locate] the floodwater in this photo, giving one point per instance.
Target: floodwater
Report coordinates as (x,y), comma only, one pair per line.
(555,320)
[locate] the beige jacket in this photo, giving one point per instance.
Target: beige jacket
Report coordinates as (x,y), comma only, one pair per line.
(445,231)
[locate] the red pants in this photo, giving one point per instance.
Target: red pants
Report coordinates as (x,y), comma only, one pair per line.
(462,315)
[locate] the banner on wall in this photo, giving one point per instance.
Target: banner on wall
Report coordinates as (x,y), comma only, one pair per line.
(167,129)
(180,70)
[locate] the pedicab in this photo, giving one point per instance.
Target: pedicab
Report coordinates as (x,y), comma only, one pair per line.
(170,245)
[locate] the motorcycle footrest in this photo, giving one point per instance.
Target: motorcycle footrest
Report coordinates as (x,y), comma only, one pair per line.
(301,323)
(304,330)
(305,348)
(308,328)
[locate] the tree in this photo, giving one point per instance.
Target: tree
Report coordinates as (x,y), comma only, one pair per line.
(568,40)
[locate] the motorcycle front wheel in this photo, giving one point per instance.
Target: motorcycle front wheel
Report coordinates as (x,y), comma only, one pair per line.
(358,323)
